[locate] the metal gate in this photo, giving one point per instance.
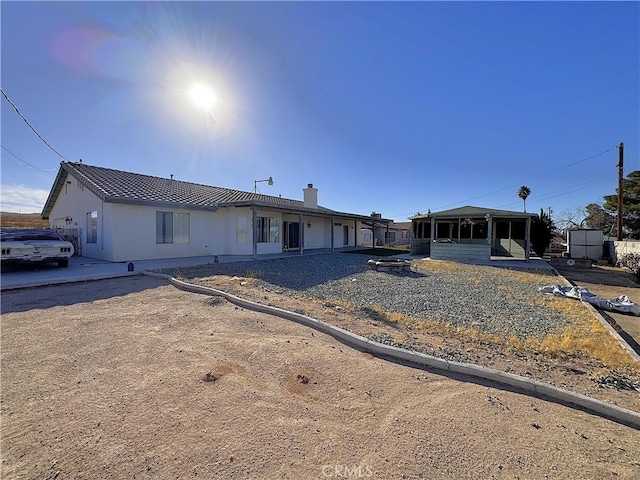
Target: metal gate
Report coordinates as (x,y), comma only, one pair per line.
(73,235)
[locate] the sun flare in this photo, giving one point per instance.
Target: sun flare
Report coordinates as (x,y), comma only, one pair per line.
(202,96)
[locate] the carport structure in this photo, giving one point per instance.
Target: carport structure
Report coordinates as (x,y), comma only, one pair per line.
(472,234)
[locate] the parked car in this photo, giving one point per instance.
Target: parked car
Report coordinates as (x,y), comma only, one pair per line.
(34,246)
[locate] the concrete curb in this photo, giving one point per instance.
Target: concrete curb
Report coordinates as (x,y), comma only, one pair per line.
(613,412)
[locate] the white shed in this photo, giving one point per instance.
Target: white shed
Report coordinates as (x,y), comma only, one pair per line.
(585,243)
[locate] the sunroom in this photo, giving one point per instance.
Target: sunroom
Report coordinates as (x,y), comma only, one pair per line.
(471,234)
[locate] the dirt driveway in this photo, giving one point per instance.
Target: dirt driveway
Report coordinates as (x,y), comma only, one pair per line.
(133,378)
(608,282)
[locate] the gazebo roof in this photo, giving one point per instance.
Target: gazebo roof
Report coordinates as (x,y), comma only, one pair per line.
(471,211)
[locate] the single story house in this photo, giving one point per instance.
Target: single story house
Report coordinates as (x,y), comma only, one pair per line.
(471,234)
(122,216)
(392,234)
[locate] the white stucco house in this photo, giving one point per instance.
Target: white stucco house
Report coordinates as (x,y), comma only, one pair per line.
(122,216)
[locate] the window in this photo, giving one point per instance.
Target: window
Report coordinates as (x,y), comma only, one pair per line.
(92,227)
(180,228)
(268,230)
(172,227)
(241,229)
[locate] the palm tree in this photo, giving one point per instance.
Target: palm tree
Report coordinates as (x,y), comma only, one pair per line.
(523,193)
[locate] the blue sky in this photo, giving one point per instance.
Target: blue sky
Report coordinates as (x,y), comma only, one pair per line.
(396,107)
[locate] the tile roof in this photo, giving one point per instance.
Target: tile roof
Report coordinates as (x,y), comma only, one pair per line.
(471,211)
(117,186)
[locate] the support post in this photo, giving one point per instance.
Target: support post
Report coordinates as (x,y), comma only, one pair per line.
(301,228)
(332,235)
(620,189)
(254,225)
(527,243)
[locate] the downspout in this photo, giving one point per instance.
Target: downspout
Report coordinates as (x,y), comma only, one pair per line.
(254,221)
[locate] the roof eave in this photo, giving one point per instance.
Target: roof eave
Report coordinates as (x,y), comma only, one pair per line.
(53,193)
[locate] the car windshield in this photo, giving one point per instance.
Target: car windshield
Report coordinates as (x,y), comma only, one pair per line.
(25,235)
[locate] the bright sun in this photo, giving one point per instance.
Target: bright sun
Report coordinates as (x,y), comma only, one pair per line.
(202,96)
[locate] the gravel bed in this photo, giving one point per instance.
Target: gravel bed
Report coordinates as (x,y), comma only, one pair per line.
(483,298)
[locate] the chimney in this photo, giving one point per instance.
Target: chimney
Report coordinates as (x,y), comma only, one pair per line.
(310,196)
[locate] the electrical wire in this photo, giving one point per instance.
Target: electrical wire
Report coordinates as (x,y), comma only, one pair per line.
(30,126)
(555,195)
(464,202)
(27,163)
(530,179)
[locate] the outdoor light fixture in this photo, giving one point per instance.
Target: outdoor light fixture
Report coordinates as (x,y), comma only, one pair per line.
(256,182)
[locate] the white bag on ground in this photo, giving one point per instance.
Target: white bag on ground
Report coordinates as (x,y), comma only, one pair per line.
(619,304)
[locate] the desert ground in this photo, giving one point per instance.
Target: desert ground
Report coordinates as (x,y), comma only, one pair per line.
(134,378)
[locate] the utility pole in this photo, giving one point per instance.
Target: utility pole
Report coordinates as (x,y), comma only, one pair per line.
(620,188)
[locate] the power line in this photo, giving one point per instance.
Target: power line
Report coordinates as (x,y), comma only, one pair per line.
(555,195)
(525,181)
(30,126)
(531,179)
(27,163)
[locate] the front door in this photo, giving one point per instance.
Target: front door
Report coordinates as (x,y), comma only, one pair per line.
(291,235)
(345,235)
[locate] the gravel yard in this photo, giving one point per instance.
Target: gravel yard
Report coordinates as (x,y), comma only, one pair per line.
(490,300)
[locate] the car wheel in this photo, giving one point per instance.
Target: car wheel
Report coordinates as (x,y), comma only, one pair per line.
(63,263)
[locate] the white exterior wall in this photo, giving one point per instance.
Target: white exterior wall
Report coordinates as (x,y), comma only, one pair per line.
(210,233)
(74,202)
(266,248)
(128,232)
(134,234)
(231,242)
(338,232)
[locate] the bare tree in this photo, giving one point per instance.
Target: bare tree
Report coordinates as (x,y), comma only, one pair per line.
(523,193)
(574,218)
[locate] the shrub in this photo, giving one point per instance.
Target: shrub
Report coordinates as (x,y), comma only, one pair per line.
(632,262)
(542,228)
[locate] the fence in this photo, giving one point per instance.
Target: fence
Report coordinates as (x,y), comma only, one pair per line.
(73,235)
(618,250)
